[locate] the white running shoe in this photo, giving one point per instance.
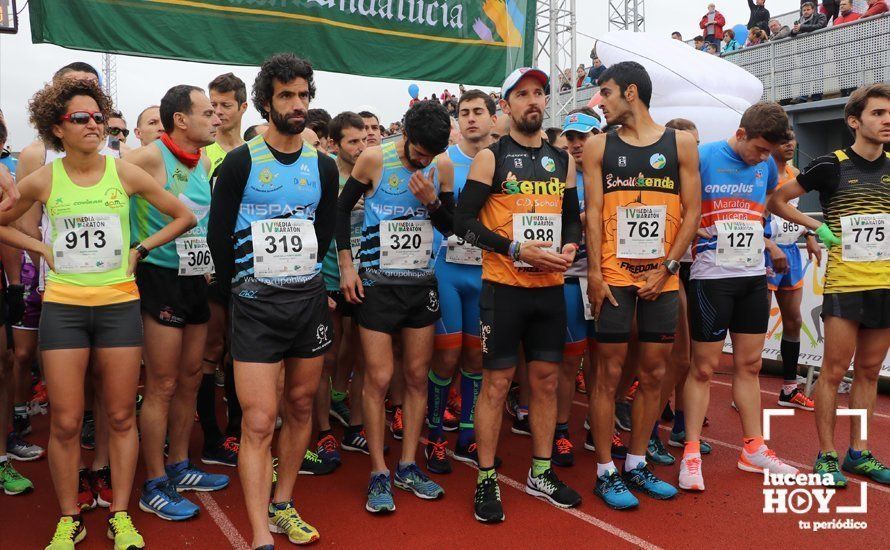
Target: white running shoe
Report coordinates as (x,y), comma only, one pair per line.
(691,478)
(764,459)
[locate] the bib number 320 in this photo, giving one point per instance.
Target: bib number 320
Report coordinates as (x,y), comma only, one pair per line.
(406,244)
(90,243)
(865,237)
(284,248)
(739,243)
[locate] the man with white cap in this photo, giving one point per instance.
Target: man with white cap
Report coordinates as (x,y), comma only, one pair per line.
(520,206)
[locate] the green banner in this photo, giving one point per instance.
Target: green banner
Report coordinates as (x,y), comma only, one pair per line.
(475,42)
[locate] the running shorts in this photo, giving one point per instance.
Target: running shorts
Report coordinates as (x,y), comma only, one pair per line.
(793,279)
(217,294)
(656,319)
(869,308)
(578,329)
(171,299)
(513,315)
(30,278)
(459,289)
(64,326)
(389,308)
(734,304)
(685,273)
(279,326)
(344,308)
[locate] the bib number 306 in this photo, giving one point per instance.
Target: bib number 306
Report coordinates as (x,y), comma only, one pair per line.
(88,243)
(284,248)
(739,243)
(194,256)
(865,237)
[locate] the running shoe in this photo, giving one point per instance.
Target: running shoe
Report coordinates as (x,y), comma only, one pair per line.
(380,495)
(13,482)
(454,400)
(796,399)
(19,449)
(411,478)
(632,390)
(562,454)
(274,471)
(88,434)
(691,478)
(469,453)
(397,426)
(450,421)
(678,439)
(85,499)
(224,453)
(867,465)
(618,450)
(388,406)
(611,488)
(667,415)
(436,458)
(487,505)
(122,531)
(642,479)
(521,426)
(764,459)
(340,412)
(827,463)
(68,533)
(164,501)
(313,465)
(512,401)
(219,377)
(187,477)
(548,486)
(580,383)
(658,454)
(622,415)
(288,522)
(328,450)
(40,397)
(355,442)
(100,483)
(21,424)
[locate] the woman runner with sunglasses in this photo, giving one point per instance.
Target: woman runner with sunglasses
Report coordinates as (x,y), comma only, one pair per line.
(91,303)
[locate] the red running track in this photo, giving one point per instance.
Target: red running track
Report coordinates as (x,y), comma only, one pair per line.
(729,513)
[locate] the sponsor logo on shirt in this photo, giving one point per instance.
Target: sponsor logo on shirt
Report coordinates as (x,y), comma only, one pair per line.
(729,188)
(657,161)
(548,163)
(640,181)
(394,186)
(512,186)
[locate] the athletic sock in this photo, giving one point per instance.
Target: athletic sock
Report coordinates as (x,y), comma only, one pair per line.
(206,408)
(403,465)
(337,396)
(692,448)
(152,484)
(522,412)
(633,462)
(20,410)
(437,399)
(654,431)
(602,469)
(233,426)
(485,473)
(679,422)
(281,505)
(562,428)
(790,352)
(855,455)
(539,466)
(377,473)
(788,389)
(470,385)
(324,433)
(353,429)
(753,444)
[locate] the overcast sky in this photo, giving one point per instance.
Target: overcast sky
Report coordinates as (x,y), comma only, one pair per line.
(25,67)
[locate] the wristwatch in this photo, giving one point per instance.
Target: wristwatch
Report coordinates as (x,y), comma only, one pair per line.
(673,266)
(141,250)
(433,206)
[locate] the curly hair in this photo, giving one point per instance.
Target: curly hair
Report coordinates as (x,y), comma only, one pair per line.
(428,124)
(50,104)
(283,67)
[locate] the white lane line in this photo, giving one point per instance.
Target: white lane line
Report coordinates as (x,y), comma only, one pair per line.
(223,522)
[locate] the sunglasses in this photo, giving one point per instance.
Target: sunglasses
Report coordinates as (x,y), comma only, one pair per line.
(114,131)
(83,117)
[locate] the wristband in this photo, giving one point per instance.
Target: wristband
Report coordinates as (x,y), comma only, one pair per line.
(514,249)
(433,206)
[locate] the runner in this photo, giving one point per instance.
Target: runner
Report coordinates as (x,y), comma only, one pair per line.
(148,125)
(372,127)
(643,180)
(520,205)
(788,286)
(854,189)
(728,291)
(273,209)
(89,217)
(173,294)
(459,272)
(407,187)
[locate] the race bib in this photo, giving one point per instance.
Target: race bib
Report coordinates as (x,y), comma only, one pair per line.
(585,299)
(355,235)
(91,243)
(641,232)
(537,227)
(194,256)
(739,243)
(406,244)
(284,248)
(459,252)
(865,237)
(785,232)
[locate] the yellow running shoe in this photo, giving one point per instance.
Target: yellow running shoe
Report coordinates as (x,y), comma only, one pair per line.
(274,470)
(123,533)
(289,522)
(68,533)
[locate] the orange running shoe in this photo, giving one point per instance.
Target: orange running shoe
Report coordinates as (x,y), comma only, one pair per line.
(580,384)
(451,420)
(101,486)
(796,399)
(632,391)
(397,426)
(85,499)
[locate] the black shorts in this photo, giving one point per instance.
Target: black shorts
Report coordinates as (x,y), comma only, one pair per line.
(734,304)
(512,315)
(172,300)
(64,326)
(685,274)
(218,294)
(279,326)
(389,308)
(656,320)
(344,308)
(869,308)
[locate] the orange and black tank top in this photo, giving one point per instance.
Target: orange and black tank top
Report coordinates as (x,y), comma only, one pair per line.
(641,208)
(526,192)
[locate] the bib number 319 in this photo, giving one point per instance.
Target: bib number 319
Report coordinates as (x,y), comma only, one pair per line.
(284,248)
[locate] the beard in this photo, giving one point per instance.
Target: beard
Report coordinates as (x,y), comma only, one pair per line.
(529,126)
(410,160)
(284,125)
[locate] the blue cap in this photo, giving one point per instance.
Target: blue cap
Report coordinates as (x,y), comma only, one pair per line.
(580,122)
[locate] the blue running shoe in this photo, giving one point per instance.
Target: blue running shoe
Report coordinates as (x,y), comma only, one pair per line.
(656,453)
(641,479)
(611,488)
(189,478)
(678,440)
(380,495)
(165,502)
(410,478)
(328,450)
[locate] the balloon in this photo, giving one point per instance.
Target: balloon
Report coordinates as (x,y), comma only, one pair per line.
(741,33)
(595,100)
(413,90)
